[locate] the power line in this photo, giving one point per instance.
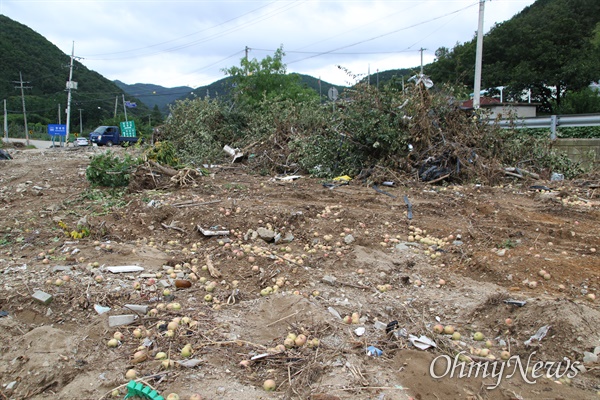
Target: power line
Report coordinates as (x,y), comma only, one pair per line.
(340,53)
(185,36)
(385,34)
(278,11)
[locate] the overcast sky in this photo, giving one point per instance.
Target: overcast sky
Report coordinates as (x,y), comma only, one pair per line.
(188,42)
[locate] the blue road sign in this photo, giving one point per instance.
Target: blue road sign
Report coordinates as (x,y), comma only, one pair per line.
(57,130)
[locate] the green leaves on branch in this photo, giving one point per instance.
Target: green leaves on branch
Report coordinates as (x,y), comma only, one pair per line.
(255,81)
(109,170)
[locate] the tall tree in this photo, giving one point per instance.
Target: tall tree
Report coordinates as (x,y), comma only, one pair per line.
(546,49)
(551,47)
(256,80)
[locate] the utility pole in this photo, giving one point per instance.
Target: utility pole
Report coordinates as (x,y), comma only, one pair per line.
(59,114)
(124,108)
(70,85)
(80,122)
(246,50)
(478,57)
(422,50)
(23,99)
(116,103)
(5,122)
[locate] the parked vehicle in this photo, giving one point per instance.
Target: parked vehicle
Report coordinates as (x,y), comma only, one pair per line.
(81,141)
(109,135)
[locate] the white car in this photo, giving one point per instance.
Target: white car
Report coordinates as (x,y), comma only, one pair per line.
(81,141)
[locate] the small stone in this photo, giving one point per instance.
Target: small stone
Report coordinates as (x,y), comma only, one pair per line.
(589,358)
(402,247)
(501,252)
(265,234)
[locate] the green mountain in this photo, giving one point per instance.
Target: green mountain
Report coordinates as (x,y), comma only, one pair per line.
(397,76)
(154,95)
(45,70)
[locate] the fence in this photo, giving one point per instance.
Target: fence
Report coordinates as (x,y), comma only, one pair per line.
(552,122)
(585,151)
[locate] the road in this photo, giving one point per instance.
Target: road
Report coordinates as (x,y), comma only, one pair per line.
(40,144)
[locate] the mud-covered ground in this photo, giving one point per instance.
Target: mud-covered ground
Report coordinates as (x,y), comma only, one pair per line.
(339,251)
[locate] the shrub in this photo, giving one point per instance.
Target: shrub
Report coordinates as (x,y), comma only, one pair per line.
(109,170)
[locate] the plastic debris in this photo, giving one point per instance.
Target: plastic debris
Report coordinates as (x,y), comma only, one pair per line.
(333,185)
(101,309)
(259,356)
(142,309)
(557,177)
(540,187)
(343,178)
(379,325)
(235,153)
(360,331)
(421,342)
(288,178)
(383,192)
(42,297)
(409,213)
(118,320)
(374,351)
(211,232)
(334,312)
(539,335)
(4,155)
(3,313)
(392,326)
(518,303)
(124,268)
(137,389)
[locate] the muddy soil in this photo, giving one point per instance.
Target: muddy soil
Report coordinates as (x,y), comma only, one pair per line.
(298,258)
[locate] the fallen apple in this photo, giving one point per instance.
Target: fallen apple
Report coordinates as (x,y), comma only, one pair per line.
(269,385)
(449,330)
(186,351)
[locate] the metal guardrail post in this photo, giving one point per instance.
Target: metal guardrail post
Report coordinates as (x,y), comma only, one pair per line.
(553,125)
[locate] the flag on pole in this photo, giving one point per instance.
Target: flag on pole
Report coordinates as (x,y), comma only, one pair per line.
(129,104)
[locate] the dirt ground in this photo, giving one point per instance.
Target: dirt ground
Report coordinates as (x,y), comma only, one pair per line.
(339,251)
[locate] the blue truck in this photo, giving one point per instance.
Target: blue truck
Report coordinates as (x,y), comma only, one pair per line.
(109,135)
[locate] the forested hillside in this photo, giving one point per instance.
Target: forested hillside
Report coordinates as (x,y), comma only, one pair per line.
(551,48)
(45,70)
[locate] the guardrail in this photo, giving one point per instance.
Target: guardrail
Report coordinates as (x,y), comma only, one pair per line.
(552,122)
